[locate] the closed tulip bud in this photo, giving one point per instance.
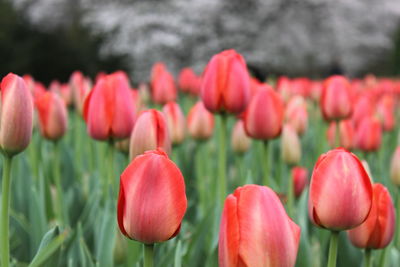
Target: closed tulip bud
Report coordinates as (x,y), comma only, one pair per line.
(66,94)
(300,180)
(378,229)
(290,146)
(109,110)
(163,88)
(150,132)
(368,134)
(144,93)
(188,81)
(80,88)
(16,115)
(256,231)
(346,132)
(336,99)
(395,167)
(363,107)
(53,115)
(385,111)
(152,199)
(340,191)
(225,85)
(175,121)
(263,118)
(240,141)
(296,114)
(200,122)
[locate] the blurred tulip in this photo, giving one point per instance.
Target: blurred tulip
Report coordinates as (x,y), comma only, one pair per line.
(346,132)
(163,88)
(240,141)
(336,99)
(16,115)
(368,134)
(290,146)
(377,230)
(225,85)
(109,110)
(175,121)
(316,90)
(144,93)
(395,167)
(385,110)
(300,180)
(80,87)
(53,115)
(189,82)
(152,199)
(296,114)
(363,107)
(150,132)
(200,122)
(38,90)
(264,115)
(283,86)
(66,94)
(340,195)
(30,82)
(256,231)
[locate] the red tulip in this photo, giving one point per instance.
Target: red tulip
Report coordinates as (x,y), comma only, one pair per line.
(263,118)
(200,122)
(378,229)
(38,90)
(162,85)
(385,110)
(150,132)
(336,99)
(284,88)
(225,86)
(346,132)
(189,82)
(296,114)
(315,90)
(395,167)
(53,116)
(109,110)
(368,134)
(66,94)
(256,231)
(80,87)
(300,180)
(364,107)
(16,115)
(176,122)
(340,191)
(240,141)
(152,199)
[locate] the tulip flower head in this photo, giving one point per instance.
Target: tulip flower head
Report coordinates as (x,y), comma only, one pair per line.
(176,122)
(346,132)
(162,85)
(395,167)
(16,115)
(378,229)
(200,122)
(340,195)
(240,141)
(225,85)
(256,231)
(368,135)
(290,146)
(300,180)
(152,199)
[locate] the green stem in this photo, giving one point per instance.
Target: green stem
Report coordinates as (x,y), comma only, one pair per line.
(333,247)
(148,255)
(265,163)
(5,215)
(110,176)
(222,160)
(382,260)
(368,258)
(337,134)
(290,194)
(61,212)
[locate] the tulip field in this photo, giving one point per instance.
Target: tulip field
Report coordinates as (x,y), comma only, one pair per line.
(210,169)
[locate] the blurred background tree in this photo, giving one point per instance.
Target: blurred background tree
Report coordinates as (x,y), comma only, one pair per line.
(50,53)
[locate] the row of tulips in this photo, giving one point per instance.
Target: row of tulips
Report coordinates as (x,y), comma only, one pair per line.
(262,222)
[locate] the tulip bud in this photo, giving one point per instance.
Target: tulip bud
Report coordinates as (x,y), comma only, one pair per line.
(240,141)
(144,93)
(152,199)
(346,132)
(340,191)
(300,180)
(395,167)
(256,231)
(296,114)
(109,110)
(263,118)
(175,121)
(188,81)
(363,107)
(53,115)
(225,85)
(80,87)
(290,146)
(368,134)
(200,122)
(385,111)
(336,100)
(377,230)
(66,94)
(162,85)
(150,132)
(16,115)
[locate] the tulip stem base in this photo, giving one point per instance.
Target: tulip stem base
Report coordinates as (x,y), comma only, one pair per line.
(368,258)
(333,247)
(265,163)
(5,218)
(290,194)
(222,159)
(148,255)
